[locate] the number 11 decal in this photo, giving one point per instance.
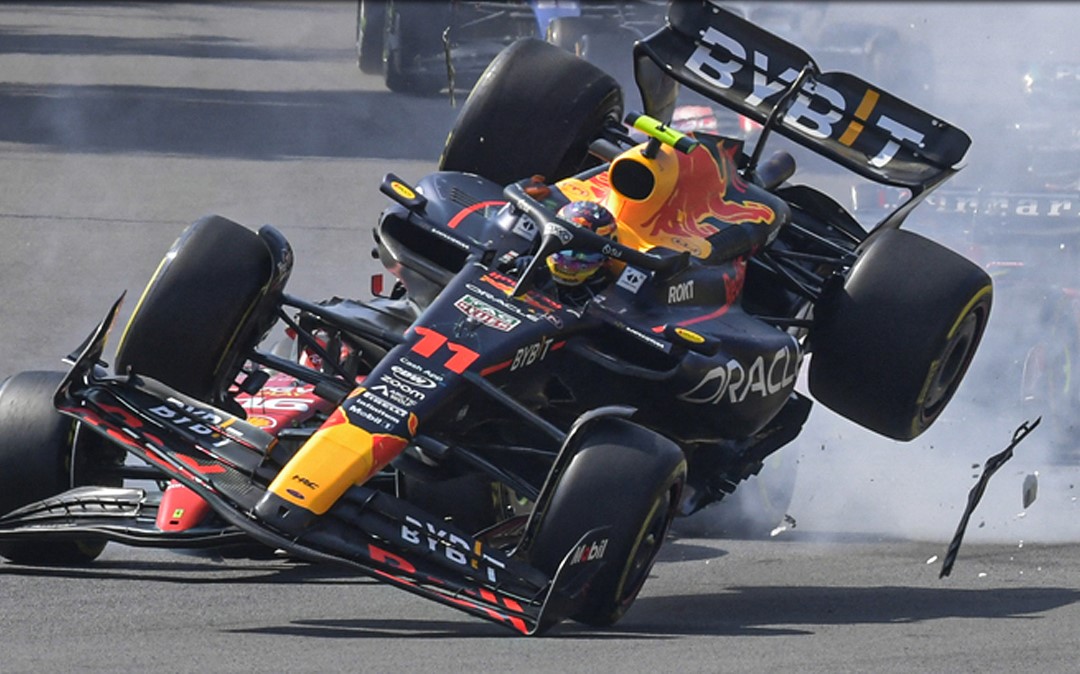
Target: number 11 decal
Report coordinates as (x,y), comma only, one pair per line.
(431,341)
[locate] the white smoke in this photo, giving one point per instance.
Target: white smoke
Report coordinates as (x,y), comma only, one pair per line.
(854,481)
(973,58)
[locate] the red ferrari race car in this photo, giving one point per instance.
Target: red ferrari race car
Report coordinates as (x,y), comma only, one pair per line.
(565,364)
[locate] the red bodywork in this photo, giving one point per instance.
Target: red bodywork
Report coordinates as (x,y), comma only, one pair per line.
(283,402)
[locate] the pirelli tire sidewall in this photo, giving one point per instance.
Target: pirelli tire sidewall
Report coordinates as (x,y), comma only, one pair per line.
(195,320)
(891,345)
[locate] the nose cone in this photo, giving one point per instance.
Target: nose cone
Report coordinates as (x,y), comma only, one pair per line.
(339,455)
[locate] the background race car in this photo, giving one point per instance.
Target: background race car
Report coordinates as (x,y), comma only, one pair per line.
(427,47)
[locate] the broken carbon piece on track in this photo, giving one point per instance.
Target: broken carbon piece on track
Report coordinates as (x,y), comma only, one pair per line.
(989,468)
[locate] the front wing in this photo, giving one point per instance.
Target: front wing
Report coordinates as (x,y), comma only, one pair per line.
(229,464)
(122,514)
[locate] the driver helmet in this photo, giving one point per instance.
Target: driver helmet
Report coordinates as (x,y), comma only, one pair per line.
(571,267)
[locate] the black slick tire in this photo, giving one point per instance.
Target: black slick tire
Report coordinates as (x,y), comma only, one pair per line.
(890,348)
(534,111)
(44,453)
(623,476)
(193,323)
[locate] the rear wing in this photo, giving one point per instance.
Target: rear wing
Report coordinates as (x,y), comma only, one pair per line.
(743,67)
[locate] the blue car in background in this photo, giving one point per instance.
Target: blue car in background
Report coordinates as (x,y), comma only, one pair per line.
(427,47)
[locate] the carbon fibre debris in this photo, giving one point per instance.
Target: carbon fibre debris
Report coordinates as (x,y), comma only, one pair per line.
(975,495)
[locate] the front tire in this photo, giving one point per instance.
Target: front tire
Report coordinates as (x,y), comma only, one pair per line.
(623,476)
(195,320)
(44,453)
(595,39)
(535,110)
(890,348)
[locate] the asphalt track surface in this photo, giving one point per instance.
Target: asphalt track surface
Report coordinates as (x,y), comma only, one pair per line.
(122,122)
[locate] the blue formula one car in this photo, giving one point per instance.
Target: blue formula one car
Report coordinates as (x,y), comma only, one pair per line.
(598,325)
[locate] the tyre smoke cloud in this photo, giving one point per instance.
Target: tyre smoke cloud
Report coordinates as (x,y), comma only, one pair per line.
(1006,74)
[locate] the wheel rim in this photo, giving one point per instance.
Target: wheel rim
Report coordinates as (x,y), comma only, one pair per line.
(954,362)
(645,549)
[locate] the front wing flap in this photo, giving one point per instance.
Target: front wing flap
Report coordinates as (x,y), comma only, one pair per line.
(369,531)
(121,514)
